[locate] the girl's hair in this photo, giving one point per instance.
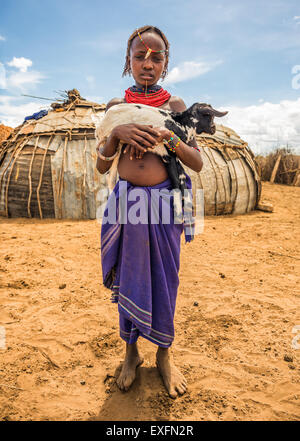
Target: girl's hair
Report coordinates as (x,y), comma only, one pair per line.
(127,69)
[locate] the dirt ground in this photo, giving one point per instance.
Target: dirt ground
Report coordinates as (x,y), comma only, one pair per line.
(238,302)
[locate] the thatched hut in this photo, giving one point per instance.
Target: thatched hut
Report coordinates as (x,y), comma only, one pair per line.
(47,167)
(229,176)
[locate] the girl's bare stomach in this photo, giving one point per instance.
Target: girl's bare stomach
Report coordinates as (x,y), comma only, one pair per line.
(144,172)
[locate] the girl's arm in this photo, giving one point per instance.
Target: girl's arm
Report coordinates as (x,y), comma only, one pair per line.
(137,136)
(109,149)
(188,156)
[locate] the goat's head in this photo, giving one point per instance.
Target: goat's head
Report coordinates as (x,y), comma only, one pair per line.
(203,116)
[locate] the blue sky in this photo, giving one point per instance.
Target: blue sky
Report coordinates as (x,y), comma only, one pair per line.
(242,56)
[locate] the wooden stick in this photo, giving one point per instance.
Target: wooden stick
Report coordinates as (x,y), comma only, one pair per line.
(10,160)
(29,177)
(289,171)
(84,175)
(41,177)
(273,175)
(44,355)
(296,178)
(61,178)
(284,255)
(247,180)
(11,170)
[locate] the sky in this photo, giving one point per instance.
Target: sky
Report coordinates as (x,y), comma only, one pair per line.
(240,56)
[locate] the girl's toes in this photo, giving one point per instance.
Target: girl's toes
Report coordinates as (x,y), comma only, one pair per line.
(180,390)
(173,393)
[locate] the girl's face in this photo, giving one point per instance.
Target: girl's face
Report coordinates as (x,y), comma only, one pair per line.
(147,71)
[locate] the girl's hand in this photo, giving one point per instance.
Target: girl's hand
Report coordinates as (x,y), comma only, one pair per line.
(138,136)
(162,132)
(134,152)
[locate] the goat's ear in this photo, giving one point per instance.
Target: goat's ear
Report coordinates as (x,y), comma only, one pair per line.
(219,114)
(202,108)
(213,111)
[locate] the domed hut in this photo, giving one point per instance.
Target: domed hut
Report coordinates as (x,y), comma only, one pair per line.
(48,167)
(229,176)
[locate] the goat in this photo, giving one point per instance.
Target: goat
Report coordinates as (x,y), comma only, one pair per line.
(196,119)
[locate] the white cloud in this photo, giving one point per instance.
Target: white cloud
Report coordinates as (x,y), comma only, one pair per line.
(2,76)
(267,125)
(12,113)
(2,38)
(297,19)
(20,63)
(22,79)
(188,70)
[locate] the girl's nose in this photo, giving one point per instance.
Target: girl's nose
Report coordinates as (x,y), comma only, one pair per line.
(148,63)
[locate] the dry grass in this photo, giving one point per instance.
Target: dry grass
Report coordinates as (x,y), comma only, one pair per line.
(5,131)
(288,166)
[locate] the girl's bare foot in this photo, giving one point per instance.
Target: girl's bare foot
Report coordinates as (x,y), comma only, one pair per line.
(131,362)
(173,379)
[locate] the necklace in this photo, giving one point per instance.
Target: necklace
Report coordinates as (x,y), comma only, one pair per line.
(154,96)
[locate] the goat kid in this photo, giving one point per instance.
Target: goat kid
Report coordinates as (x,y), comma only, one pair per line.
(196,119)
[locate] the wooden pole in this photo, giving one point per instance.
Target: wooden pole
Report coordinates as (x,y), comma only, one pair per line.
(274,172)
(296,180)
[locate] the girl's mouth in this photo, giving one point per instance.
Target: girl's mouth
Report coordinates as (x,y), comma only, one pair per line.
(147,77)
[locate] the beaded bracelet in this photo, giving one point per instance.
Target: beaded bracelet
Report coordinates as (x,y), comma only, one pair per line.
(172,147)
(106,158)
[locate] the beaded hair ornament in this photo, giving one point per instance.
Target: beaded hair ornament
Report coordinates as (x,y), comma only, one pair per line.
(149,50)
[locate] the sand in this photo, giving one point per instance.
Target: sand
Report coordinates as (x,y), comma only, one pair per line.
(238,302)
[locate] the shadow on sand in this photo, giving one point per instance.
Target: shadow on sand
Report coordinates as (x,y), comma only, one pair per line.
(145,400)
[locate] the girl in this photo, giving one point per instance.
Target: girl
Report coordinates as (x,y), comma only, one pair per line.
(140,263)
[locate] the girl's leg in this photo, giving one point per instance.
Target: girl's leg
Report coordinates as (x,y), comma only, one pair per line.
(173,379)
(131,362)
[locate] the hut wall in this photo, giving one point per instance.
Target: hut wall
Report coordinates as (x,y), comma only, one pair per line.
(76,182)
(69,184)
(16,198)
(228,182)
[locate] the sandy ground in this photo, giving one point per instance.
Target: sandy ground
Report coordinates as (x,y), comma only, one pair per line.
(238,302)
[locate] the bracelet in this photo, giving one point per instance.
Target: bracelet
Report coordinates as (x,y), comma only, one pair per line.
(172,147)
(196,148)
(106,158)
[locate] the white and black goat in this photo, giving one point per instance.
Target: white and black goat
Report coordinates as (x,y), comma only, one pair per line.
(196,119)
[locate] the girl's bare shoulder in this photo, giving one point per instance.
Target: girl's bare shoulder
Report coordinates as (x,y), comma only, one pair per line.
(176,104)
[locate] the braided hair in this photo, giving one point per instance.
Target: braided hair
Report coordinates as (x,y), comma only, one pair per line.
(127,69)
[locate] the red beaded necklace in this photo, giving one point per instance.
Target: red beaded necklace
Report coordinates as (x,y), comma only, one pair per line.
(155,96)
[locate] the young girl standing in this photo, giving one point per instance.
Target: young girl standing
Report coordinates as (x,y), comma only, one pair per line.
(140,263)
